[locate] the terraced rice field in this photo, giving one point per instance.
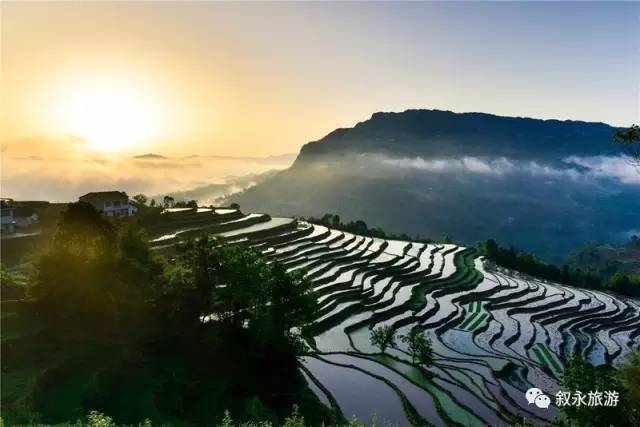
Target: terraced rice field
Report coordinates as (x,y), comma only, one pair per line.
(495,332)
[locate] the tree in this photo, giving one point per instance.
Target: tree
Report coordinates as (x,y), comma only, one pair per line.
(383,337)
(140,199)
(580,375)
(419,346)
(92,280)
(244,314)
(241,290)
(106,299)
(629,139)
(168,201)
(193,204)
(491,249)
(583,278)
(622,283)
(629,376)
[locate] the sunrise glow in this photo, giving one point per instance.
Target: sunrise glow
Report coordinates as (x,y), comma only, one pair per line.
(112,116)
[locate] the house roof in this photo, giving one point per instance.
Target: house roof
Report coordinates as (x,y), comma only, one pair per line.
(105,195)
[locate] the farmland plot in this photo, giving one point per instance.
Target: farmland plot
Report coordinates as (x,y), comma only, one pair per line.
(494,332)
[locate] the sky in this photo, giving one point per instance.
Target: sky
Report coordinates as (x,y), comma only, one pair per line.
(104,79)
(264,78)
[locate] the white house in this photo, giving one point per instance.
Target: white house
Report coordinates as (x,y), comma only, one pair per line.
(111,203)
(24,213)
(7,220)
(25,219)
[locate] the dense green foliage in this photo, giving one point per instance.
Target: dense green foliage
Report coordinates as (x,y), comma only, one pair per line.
(629,375)
(134,336)
(96,275)
(629,139)
(225,300)
(580,375)
(140,199)
(11,279)
(167,202)
(383,337)
(419,346)
(620,282)
(295,419)
(607,259)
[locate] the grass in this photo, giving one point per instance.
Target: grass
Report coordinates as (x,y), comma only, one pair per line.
(546,357)
(476,316)
(478,321)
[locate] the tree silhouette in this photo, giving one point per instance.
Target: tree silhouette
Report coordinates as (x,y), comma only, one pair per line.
(383,337)
(419,346)
(629,139)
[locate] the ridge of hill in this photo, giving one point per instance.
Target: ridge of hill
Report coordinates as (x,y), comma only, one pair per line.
(445,133)
(545,186)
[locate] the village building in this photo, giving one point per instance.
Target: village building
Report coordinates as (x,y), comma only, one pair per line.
(25,216)
(111,203)
(7,219)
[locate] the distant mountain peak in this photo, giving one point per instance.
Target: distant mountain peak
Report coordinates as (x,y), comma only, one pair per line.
(477,114)
(150,156)
(438,133)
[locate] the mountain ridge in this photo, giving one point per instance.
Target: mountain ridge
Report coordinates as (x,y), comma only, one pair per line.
(438,132)
(543,185)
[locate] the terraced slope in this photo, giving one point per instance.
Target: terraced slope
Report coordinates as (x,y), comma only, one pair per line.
(495,333)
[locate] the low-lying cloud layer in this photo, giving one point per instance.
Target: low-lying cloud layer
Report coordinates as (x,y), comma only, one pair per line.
(574,167)
(62,170)
(620,168)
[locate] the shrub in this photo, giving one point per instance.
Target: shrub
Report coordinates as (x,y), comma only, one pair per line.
(419,346)
(383,337)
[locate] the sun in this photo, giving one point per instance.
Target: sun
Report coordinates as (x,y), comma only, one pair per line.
(113,116)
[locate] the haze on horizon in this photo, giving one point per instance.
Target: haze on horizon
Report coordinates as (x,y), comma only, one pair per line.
(87,85)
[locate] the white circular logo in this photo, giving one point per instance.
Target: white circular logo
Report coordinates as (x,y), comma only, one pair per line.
(532,393)
(536,396)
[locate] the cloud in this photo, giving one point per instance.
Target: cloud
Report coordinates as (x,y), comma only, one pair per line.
(499,166)
(619,167)
(165,165)
(577,168)
(466,164)
(62,170)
